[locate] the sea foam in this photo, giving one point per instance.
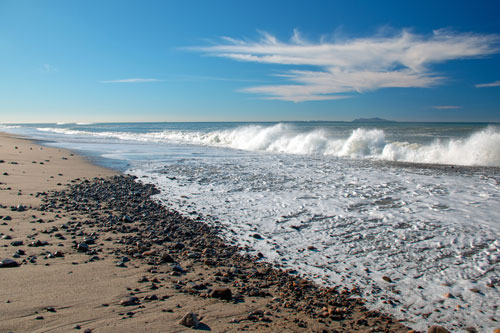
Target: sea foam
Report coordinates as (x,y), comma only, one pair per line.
(482,148)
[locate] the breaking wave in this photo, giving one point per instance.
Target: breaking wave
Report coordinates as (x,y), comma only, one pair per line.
(479,149)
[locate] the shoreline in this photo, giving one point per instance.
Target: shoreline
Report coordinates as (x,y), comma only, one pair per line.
(118,246)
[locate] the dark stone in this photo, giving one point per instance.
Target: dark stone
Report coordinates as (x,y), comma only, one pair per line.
(179,246)
(16,243)
(222,293)
(6,263)
(165,257)
(177,268)
(82,247)
(132,300)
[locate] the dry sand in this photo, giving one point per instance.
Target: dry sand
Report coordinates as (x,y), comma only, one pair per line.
(75,293)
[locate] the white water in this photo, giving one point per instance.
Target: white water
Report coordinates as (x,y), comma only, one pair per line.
(480,149)
(430,231)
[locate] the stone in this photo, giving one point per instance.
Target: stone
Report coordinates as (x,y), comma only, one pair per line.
(17,243)
(437,329)
(190,319)
(165,257)
(82,247)
(257,236)
(222,293)
(132,300)
(179,246)
(149,253)
(177,268)
(127,219)
(6,263)
(386,279)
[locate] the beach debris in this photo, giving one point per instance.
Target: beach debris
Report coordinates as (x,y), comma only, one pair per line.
(190,319)
(387,279)
(6,263)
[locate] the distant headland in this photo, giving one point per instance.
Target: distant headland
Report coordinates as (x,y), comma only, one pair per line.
(372,120)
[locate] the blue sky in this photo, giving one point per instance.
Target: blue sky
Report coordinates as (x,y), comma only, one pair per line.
(63,61)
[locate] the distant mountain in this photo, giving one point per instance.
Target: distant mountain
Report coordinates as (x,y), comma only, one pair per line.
(372,120)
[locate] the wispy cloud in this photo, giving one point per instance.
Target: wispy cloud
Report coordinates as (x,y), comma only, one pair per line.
(48,68)
(136,80)
(354,65)
(446,107)
(488,85)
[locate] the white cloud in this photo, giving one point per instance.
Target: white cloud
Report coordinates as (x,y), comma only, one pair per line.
(354,65)
(446,107)
(48,68)
(131,81)
(488,85)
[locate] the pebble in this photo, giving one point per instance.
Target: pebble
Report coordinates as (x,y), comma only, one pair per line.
(132,300)
(6,263)
(387,279)
(82,247)
(437,329)
(190,319)
(222,293)
(165,257)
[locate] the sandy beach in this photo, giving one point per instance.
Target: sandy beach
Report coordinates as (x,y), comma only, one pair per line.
(92,252)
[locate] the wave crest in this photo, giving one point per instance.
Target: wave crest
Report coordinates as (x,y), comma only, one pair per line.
(480,149)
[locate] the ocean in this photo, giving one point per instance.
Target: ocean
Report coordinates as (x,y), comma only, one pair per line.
(344,203)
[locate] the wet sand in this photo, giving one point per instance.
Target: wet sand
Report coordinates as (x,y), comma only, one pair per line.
(94,252)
